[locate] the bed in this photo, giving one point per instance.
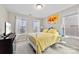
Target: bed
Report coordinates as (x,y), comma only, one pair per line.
(41,41)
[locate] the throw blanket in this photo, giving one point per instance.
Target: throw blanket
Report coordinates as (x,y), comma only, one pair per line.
(44,40)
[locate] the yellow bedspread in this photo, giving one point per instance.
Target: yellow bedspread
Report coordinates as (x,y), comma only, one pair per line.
(44,40)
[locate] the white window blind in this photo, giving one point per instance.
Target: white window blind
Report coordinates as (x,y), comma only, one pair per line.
(71,25)
(36,25)
(21,25)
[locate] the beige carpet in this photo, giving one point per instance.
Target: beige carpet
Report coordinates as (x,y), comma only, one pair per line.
(24,48)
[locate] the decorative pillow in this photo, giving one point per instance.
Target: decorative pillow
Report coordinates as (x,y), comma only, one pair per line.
(45,30)
(52,31)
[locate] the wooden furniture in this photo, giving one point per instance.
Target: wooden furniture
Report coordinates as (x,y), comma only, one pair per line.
(6,44)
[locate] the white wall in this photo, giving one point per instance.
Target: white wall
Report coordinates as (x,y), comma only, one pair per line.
(3,18)
(62,13)
(12,20)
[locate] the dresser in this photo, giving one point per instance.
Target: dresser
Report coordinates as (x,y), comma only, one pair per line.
(6,44)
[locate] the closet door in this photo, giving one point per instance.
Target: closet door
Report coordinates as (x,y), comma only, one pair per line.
(71,25)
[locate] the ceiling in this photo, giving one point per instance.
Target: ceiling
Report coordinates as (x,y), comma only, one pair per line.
(28,9)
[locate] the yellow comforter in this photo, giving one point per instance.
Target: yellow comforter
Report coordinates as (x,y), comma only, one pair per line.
(44,40)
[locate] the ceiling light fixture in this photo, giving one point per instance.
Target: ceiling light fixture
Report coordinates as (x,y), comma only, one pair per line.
(39,6)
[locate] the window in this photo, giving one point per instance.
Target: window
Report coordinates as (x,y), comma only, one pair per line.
(7,28)
(36,26)
(21,25)
(71,25)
